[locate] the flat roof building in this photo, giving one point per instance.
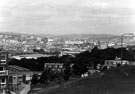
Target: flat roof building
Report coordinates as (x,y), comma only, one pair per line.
(3,72)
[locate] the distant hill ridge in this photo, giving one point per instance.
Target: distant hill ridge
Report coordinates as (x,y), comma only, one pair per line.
(104,37)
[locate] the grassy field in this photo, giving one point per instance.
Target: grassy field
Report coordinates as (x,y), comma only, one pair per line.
(111,83)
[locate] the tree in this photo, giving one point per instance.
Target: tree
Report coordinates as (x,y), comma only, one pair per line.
(67,71)
(45,76)
(58,78)
(34,79)
(66,75)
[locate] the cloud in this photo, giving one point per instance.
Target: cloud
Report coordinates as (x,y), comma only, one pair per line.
(64,15)
(94,4)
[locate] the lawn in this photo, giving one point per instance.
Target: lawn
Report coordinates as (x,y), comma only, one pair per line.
(43,87)
(111,83)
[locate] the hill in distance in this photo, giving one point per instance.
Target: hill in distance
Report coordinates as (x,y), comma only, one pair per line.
(100,37)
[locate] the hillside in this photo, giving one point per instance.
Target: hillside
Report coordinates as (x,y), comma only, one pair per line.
(100,37)
(111,83)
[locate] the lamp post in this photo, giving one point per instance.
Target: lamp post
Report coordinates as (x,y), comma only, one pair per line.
(131,34)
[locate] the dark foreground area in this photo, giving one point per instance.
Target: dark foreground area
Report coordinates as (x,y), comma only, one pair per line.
(112,82)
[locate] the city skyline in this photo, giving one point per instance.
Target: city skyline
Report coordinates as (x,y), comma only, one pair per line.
(67,16)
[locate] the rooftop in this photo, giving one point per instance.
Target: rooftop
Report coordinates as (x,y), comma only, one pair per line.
(18,68)
(29,56)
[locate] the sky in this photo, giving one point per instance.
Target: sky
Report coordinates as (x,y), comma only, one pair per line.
(67,16)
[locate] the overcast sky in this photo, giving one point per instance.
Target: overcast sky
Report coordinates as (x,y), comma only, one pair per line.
(67,16)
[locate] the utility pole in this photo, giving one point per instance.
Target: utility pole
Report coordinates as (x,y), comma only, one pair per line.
(131,34)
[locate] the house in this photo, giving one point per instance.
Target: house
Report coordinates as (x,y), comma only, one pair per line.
(115,63)
(3,72)
(19,80)
(55,66)
(22,76)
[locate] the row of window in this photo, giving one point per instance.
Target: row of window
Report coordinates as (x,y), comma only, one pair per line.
(12,69)
(3,80)
(1,68)
(114,63)
(53,66)
(3,58)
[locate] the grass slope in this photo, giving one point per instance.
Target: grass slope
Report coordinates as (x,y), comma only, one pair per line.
(111,83)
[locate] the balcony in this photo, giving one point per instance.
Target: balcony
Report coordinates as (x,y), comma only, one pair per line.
(2,62)
(4,73)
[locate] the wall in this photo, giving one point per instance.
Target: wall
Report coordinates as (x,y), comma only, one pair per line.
(26,89)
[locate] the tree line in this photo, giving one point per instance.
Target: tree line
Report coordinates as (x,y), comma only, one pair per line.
(80,62)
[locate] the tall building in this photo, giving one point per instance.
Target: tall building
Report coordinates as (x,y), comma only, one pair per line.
(3,72)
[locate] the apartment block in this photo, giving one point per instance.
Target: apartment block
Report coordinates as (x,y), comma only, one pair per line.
(3,72)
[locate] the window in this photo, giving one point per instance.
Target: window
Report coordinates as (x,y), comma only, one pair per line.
(57,66)
(126,63)
(3,80)
(50,66)
(123,63)
(19,78)
(59,69)
(114,63)
(14,77)
(106,62)
(53,66)
(61,66)
(1,68)
(47,66)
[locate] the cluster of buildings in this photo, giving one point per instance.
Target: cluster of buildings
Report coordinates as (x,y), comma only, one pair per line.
(21,44)
(14,79)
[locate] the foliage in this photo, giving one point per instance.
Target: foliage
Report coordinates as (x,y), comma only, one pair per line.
(81,62)
(67,73)
(45,76)
(34,79)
